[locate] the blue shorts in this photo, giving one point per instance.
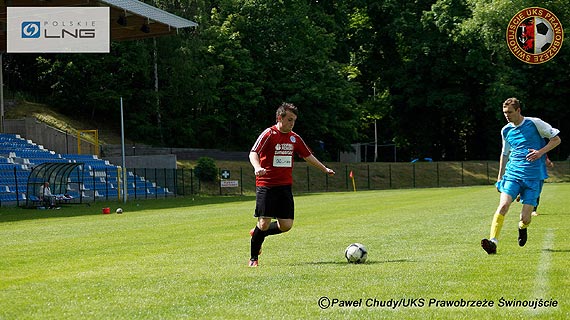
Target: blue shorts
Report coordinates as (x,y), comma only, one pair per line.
(528,189)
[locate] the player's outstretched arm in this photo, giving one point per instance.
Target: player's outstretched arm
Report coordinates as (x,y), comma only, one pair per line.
(317,164)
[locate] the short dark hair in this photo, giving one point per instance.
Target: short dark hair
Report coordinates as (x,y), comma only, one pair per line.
(284,107)
(512,101)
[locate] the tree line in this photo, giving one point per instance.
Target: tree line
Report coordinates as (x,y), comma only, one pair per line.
(428,76)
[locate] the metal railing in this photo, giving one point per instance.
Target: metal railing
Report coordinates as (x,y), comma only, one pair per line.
(238,179)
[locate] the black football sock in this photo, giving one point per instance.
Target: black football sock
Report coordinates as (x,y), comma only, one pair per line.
(256,241)
(273,229)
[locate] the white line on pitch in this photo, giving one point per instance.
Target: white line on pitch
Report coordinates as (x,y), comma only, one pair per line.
(541,287)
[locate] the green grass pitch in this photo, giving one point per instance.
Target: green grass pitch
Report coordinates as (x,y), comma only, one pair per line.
(187,259)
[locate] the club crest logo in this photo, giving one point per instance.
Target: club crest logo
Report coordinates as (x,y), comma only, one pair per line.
(535,35)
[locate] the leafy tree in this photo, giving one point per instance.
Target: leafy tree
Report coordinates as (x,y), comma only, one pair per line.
(431,73)
(543,88)
(291,59)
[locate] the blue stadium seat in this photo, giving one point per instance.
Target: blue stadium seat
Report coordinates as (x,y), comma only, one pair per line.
(18,156)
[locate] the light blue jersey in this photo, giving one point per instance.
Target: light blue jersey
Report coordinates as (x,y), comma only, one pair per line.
(517,140)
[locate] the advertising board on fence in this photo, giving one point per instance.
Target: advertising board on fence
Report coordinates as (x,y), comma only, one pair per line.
(58,29)
(229,183)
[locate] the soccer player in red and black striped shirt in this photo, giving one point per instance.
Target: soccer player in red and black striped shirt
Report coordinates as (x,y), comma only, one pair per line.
(272,158)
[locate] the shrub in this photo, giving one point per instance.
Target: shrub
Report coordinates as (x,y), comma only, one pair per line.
(206,169)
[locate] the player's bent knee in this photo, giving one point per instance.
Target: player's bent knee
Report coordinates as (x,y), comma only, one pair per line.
(263,225)
(526,219)
(503,208)
(285,225)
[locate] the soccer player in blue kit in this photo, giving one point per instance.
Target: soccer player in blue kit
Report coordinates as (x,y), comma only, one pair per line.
(522,168)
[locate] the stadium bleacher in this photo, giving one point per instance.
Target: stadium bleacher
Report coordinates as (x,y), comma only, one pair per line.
(95,178)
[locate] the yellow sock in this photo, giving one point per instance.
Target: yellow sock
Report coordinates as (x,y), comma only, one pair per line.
(522,225)
(497,225)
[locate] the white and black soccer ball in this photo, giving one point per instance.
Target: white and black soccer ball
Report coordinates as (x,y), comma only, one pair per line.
(356,253)
(543,35)
(119,210)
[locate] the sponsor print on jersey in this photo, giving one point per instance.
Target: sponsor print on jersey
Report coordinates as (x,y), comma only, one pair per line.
(283,161)
(284,147)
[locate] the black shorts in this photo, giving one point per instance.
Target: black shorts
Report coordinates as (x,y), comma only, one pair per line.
(274,202)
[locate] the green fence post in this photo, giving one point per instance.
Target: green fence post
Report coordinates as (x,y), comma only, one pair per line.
(488,174)
(368,176)
(462,175)
(414,175)
(437,172)
(390,174)
(308,180)
(346,176)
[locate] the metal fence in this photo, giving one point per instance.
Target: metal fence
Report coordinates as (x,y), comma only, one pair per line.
(379,176)
(238,179)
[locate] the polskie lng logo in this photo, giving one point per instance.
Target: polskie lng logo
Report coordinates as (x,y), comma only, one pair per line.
(535,35)
(58,29)
(30,29)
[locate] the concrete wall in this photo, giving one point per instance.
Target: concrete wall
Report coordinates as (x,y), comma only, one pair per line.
(138,156)
(351,157)
(50,137)
(63,142)
(167,161)
(110,151)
